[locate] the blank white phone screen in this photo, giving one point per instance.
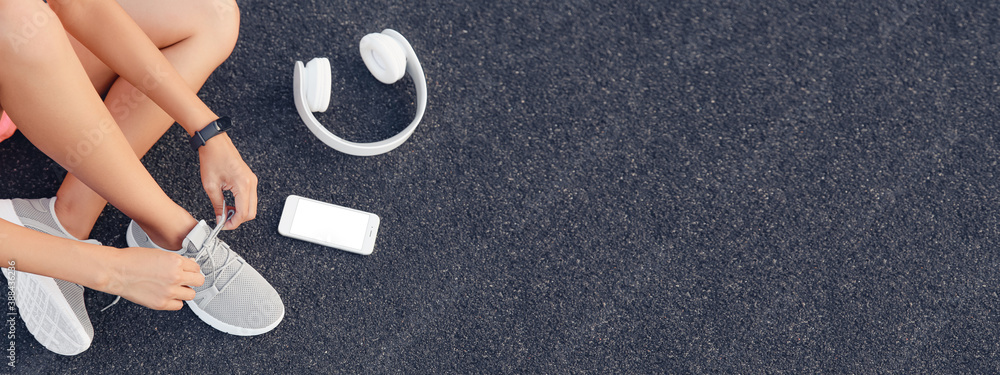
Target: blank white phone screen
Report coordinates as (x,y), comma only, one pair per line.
(330,224)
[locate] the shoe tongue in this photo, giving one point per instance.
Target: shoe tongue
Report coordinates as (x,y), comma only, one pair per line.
(198,235)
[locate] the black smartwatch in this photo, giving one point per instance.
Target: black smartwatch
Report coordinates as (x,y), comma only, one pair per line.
(214,128)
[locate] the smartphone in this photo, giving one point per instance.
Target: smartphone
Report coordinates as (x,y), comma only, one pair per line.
(329,225)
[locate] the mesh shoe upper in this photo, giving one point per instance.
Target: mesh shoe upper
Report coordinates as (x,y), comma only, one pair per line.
(40,215)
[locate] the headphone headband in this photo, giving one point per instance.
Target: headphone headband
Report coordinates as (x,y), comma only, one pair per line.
(308,86)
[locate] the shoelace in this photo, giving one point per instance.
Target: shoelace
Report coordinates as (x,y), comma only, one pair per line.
(211,242)
(211,236)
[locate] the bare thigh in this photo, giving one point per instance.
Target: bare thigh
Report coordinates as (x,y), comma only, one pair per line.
(164,22)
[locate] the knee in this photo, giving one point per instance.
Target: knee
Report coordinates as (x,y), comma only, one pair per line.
(29,31)
(220,26)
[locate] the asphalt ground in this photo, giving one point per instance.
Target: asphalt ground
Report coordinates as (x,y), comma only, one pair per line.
(602,187)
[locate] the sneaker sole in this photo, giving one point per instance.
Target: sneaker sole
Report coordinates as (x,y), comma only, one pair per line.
(209,319)
(229,328)
(49,319)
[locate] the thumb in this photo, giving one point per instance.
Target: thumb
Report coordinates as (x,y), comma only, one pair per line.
(218,202)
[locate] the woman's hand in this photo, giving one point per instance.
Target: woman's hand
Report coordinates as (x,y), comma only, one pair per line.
(222,168)
(153,278)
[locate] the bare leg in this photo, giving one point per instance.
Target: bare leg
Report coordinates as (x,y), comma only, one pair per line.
(196,37)
(45,91)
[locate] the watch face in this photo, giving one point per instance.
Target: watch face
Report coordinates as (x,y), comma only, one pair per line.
(223,124)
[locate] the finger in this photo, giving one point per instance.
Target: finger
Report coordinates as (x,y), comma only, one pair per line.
(170,305)
(189,265)
(192,279)
(214,192)
(234,221)
(184,294)
(242,207)
(252,212)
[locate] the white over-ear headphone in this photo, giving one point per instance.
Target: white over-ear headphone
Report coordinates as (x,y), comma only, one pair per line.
(388,55)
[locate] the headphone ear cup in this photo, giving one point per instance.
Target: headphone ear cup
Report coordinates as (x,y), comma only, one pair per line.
(384,57)
(318,84)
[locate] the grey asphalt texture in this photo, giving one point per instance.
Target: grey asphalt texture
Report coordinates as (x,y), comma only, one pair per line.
(602,187)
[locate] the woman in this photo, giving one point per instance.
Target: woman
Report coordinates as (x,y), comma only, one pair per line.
(148,59)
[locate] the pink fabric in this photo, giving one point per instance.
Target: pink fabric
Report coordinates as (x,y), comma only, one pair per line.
(7,127)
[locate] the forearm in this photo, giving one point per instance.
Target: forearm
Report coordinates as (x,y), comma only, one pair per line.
(35,252)
(107,31)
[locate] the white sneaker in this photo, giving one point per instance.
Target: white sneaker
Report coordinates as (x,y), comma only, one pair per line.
(52,309)
(235,298)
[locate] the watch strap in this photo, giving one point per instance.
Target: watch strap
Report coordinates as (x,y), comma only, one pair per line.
(214,128)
